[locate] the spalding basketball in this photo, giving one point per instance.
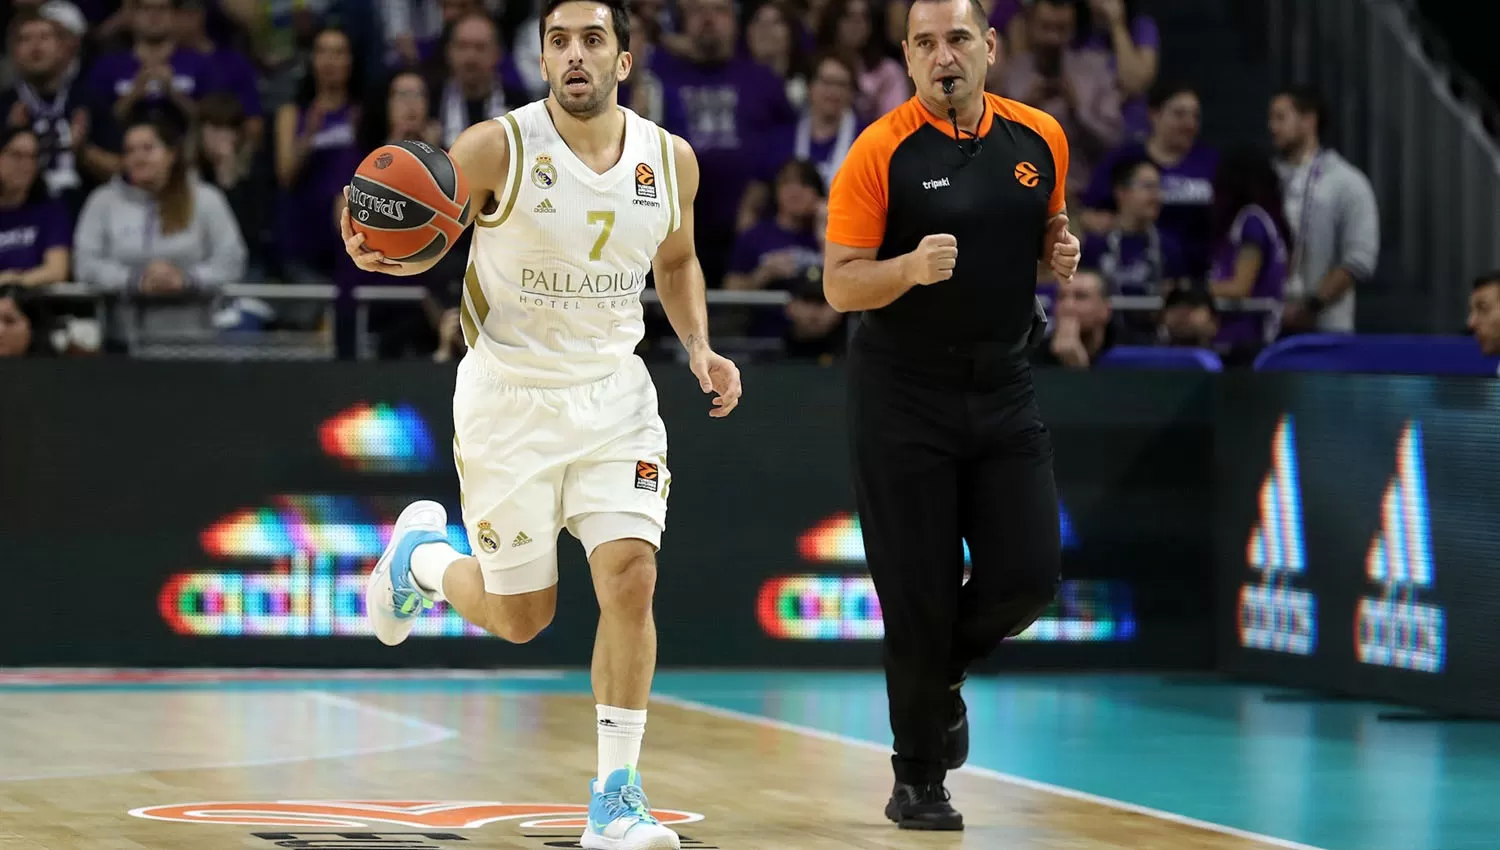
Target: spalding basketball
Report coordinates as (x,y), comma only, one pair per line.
(410,200)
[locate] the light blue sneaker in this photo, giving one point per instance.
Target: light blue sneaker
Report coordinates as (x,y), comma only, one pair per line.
(620,818)
(392,598)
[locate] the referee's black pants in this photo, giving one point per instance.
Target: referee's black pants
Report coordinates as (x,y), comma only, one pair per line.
(948,447)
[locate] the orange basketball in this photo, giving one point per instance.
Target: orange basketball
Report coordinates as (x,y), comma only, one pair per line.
(410,200)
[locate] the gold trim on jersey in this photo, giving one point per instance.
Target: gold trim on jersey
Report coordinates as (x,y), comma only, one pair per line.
(473,306)
(458,461)
(668,165)
(517,161)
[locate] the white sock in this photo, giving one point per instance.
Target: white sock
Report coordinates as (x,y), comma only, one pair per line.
(428,563)
(620,733)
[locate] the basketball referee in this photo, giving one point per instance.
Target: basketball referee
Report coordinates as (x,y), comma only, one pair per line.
(937,221)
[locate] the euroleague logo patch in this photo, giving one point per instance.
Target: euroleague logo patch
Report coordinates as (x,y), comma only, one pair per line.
(1026,175)
(420,814)
(647,475)
(645,181)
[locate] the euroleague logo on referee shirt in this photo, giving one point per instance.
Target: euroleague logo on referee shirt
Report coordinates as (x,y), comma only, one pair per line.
(1027,175)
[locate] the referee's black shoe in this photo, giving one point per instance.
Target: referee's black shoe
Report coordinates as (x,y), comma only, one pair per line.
(923,806)
(956,730)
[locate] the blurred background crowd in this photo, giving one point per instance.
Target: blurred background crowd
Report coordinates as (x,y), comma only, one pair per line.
(157,154)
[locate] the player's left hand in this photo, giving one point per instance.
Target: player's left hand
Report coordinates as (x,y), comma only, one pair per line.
(717,374)
(1066,251)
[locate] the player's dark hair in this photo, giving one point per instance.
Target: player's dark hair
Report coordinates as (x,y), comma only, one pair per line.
(1307,101)
(1246,177)
(619,18)
(1488,279)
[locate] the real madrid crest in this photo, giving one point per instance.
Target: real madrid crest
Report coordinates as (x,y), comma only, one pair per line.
(488,539)
(544,173)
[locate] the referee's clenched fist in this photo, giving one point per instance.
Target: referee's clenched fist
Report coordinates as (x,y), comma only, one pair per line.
(948,445)
(933,260)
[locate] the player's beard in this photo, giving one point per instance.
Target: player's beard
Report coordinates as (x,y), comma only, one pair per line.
(589,105)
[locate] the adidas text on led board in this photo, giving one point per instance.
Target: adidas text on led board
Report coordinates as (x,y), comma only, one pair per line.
(1275,615)
(1393,628)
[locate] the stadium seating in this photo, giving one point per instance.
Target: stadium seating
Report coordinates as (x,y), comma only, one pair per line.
(1146,357)
(1390,354)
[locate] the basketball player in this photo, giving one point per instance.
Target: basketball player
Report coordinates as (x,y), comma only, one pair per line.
(555,417)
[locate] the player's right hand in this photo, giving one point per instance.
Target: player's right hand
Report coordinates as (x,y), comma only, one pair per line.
(354,245)
(933,260)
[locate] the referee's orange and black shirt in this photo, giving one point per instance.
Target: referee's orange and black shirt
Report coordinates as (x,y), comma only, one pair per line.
(906,177)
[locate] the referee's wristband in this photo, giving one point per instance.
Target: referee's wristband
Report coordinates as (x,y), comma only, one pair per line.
(1315,304)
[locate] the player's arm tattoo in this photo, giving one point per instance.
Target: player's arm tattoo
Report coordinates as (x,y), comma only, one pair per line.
(694,340)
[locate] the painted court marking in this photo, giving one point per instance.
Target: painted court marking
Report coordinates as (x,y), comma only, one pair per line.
(432,733)
(1009,779)
(45,677)
(422,814)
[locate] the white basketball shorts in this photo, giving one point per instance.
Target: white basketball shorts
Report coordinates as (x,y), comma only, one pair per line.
(535,460)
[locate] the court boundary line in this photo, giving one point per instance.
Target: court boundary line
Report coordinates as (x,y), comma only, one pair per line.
(435,734)
(16,677)
(987,773)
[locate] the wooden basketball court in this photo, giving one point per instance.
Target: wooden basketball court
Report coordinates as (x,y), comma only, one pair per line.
(413,767)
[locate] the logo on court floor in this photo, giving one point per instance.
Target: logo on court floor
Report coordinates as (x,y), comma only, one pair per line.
(488,539)
(359,840)
(646,475)
(421,814)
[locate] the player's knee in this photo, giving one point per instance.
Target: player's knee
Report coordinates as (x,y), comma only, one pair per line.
(518,629)
(519,619)
(626,582)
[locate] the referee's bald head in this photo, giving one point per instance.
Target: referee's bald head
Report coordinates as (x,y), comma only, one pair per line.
(976,12)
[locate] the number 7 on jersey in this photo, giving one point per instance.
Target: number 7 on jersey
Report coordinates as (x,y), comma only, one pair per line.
(606,218)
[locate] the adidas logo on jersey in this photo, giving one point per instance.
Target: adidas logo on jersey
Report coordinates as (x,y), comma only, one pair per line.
(521,538)
(545,206)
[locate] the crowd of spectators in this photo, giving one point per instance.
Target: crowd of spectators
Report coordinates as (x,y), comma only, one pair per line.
(159,149)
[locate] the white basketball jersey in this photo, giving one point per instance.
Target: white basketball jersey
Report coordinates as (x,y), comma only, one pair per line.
(552,296)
